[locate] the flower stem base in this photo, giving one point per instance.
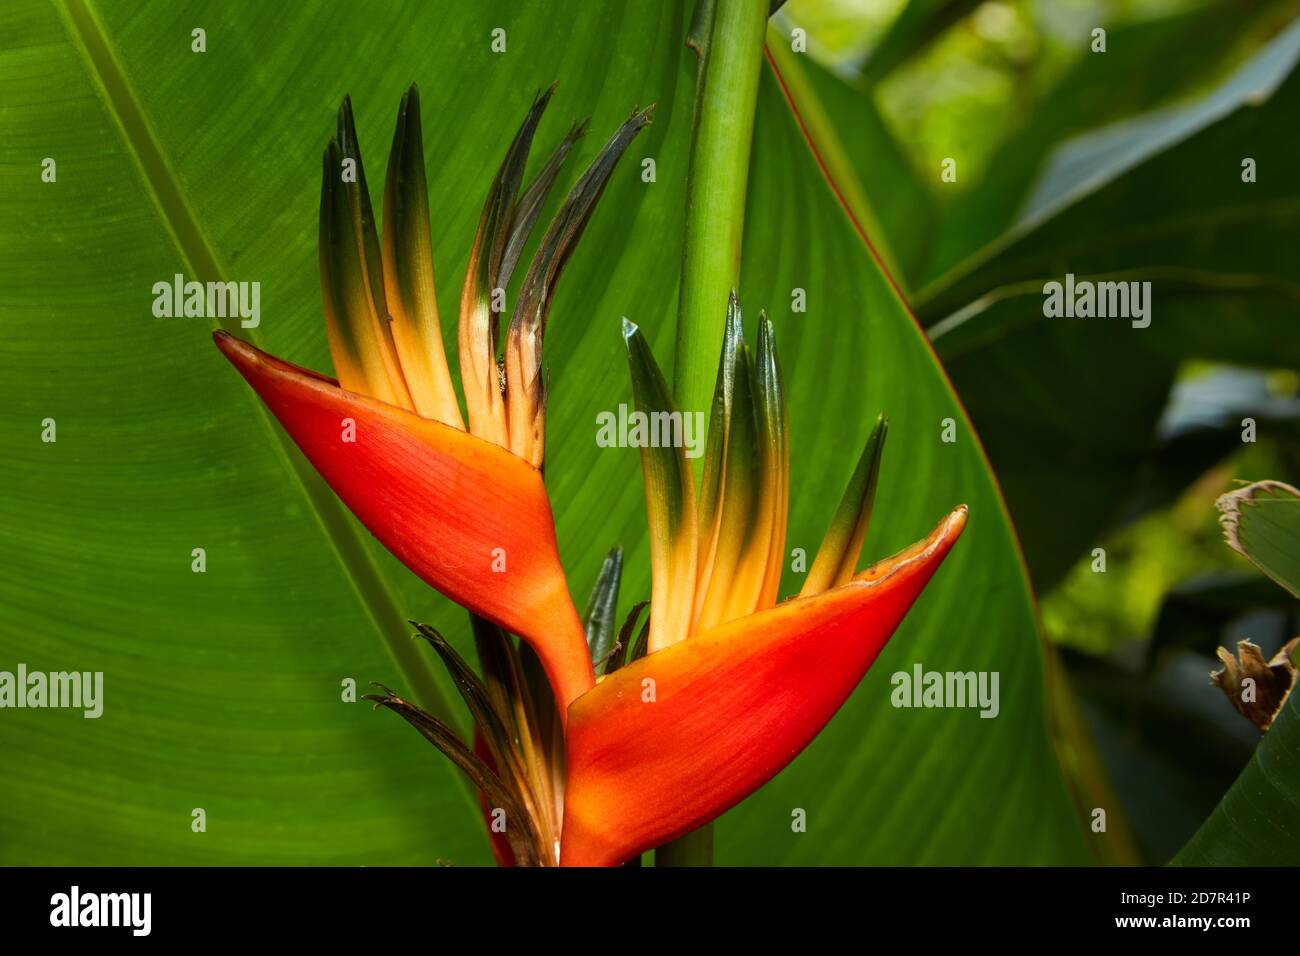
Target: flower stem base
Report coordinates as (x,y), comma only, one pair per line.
(693,849)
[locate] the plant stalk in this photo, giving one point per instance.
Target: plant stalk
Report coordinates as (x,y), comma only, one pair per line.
(728,37)
(730,46)
(693,849)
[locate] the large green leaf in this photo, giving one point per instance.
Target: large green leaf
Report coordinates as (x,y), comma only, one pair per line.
(1071,404)
(1258,821)
(854,143)
(223,688)
(883,765)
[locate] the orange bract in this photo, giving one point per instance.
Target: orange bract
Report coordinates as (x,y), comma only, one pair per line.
(465,515)
(668,743)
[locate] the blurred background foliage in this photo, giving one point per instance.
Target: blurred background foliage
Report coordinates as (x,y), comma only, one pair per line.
(1111,443)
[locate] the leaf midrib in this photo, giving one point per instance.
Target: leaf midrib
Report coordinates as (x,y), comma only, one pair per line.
(162,185)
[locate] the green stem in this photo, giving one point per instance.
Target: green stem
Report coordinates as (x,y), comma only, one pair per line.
(728,36)
(693,849)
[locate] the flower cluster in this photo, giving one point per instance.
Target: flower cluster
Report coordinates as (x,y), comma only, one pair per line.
(592,743)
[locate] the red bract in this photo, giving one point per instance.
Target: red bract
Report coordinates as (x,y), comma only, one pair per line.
(668,743)
(467,516)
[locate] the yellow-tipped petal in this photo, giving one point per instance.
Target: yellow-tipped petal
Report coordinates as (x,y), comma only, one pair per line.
(484,288)
(524,391)
(670,502)
(359,267)
(408,272)
(743,529)
(525,386)
(742,481)
(715,451)
(358,342)
(479,376)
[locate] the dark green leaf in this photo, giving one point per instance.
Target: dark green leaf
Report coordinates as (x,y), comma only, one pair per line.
(1192,47)
(1257,823)
(841,549)
(1071,404)
(720,416)
(919,24)
(620,653)
(598,619)
(1196,613)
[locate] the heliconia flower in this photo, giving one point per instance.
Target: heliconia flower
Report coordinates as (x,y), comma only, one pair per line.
(467,511)
(722,687)
(590,745)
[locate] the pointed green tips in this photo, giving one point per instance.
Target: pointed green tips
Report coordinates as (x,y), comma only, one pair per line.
(408,274)
(602,606)
(498,210)
(357,195)
(352,284)
(774,464)
(566,228)
(359,343)
(838,556)
(736,517)
(669,491)
(720,416)
(529,207)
